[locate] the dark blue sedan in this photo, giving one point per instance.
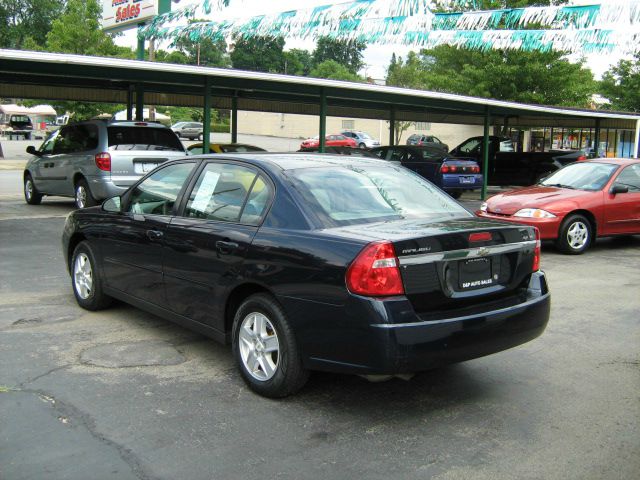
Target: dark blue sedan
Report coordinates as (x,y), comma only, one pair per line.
(311,262)
(454,175)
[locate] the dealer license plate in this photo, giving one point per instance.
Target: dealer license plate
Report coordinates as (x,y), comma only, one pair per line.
(475,273)
(144,167)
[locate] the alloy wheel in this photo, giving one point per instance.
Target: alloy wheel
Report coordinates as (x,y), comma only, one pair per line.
(577,235)
(83,276)
(259,346)
(81,196)
(28,189)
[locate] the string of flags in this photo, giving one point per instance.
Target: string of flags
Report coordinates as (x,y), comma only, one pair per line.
(605,26)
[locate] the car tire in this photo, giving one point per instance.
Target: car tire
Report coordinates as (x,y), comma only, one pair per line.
(31,194)
(455,194)
(83,196)
(575,235)
(201,137)
(362,145)
(265,348)
(86,281)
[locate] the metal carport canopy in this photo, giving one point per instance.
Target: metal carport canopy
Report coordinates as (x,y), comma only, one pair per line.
(54,76)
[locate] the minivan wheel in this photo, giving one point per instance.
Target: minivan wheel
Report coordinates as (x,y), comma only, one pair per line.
(31,194)
(86,282)
(575,235)
(265,349)
(84,198)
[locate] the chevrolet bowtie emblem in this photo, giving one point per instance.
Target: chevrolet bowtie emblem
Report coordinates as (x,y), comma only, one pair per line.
(482,252)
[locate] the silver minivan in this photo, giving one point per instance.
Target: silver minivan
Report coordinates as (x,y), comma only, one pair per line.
(95,160)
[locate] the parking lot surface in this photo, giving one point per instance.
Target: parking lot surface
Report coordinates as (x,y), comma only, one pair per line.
(123,394)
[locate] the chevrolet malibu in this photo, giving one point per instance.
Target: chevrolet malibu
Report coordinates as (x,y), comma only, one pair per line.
(305,262)
(575,205)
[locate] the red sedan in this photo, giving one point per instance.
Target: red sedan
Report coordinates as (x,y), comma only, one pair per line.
(330,141)
(584,200)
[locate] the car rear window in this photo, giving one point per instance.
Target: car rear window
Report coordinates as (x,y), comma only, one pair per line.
(351,194)
(142,138)
(20,118)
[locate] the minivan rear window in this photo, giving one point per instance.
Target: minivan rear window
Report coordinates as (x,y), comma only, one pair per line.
(143,138)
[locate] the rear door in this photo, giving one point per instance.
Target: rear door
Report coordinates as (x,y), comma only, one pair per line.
(622,211)
(207,244)
(132,242)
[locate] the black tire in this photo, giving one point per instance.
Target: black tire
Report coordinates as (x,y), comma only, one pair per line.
(287,375)
(85,279)
(575,235)
(362,145)
(31,194)
(455,194)
(83,196)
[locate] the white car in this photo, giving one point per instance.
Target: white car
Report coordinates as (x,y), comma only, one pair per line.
(363,139)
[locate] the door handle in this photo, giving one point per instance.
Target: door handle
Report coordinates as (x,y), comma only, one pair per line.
(154,235)
(226,247)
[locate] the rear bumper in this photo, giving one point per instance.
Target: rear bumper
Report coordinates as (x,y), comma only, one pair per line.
(396,340)
(548,227)
(453,181)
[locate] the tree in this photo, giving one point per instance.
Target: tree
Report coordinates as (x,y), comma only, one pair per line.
(621,85)
(260,54)
(334,71)
(21,20)
(297,62)
(346,52)
(204,51)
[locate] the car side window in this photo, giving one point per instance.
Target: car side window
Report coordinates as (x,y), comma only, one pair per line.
(257,202)
(630,177)
(220,192)
(157,194)
(381,153)
(396,155)
(472,145)
(47,146)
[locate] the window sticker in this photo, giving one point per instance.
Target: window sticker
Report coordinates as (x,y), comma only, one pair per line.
(205,191)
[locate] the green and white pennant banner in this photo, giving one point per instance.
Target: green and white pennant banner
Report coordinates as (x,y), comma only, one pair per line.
(614,25)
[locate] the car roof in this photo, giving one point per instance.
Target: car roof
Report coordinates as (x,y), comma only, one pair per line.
(297,160)
(614,161)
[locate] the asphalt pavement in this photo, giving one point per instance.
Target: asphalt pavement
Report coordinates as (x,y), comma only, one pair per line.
(122,394)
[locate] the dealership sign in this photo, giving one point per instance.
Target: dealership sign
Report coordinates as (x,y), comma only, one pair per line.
(122,14)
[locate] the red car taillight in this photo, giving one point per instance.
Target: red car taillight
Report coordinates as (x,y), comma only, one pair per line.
(581,158)
(375,271)
(536,252)
(475,169)
(103,161)
(449,168)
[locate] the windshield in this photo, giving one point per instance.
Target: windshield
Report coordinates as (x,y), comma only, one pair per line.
(581,176)
(347,195)
(143,138)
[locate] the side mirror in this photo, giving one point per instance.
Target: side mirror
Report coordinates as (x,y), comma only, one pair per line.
(112,204)
(618,188)
(32,151)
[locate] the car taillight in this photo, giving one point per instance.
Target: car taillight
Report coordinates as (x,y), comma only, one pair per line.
(536,252)
(444,168)
(103,161)
(475,169)
(375,272)
(581,158)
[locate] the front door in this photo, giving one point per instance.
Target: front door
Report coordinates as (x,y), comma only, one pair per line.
(207,244)
(622,210)
(132,241)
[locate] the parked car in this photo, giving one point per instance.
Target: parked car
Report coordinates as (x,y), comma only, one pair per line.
(94,160)
(330,141)
(197,148)
(508,167)
(575,205)
(454,175)
(20,124)
(363,139)
(428,141)
(310,262)
(356,152)
(190,130)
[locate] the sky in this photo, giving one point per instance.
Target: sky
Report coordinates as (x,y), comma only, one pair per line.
(376,57)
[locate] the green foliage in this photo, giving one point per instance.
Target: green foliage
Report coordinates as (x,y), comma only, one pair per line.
(23,20)
(345,52)
(334,71)
(260,54)
(527,77)
(297,62)
(204,52)
(621,85)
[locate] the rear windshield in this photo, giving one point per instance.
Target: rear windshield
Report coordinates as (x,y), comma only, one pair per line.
(348,195)
(20,118)
(141,138)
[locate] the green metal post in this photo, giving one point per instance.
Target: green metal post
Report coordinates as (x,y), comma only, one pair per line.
(139,103)
(234,118)
(130,103)
(596,146)
(206,127)
(392,126)
(485,155)
(323,119)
